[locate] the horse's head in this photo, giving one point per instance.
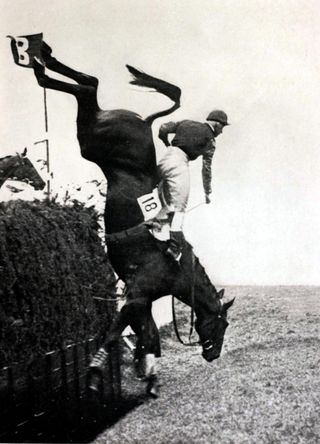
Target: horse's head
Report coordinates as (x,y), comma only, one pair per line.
(26,172)
(211,328)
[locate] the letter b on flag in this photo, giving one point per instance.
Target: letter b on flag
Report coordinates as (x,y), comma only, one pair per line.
(25,48)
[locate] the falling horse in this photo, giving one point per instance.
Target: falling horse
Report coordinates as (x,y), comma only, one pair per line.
(121,143)
(19,167)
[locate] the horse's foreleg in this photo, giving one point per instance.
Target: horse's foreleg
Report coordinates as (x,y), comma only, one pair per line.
(139,316)
(148,343)
(137,313)
(148,349)
(125,317)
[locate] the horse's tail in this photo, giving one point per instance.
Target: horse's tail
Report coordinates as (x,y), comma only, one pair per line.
(171,91)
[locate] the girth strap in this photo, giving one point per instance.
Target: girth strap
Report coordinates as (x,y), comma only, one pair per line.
(122,235)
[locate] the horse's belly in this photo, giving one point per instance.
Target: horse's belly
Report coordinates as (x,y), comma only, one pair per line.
(132,252)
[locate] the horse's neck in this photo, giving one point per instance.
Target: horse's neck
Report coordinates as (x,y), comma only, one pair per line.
(206,306)
(202,295)
(8,166)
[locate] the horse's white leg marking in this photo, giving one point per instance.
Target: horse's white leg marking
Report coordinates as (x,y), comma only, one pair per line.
(150,365)
(99,359)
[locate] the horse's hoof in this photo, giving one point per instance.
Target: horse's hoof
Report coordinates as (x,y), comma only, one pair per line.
(38,68)
(46,51)
(153,387)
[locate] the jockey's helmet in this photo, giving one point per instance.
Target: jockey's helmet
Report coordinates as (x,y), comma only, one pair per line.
(218,116)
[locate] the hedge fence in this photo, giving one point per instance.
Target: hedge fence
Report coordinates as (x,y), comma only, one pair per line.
(53,270)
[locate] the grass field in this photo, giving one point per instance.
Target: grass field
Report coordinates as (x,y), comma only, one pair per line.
(265,388)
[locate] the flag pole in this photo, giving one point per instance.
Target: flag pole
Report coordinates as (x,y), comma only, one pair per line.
(24,50)
(47,141)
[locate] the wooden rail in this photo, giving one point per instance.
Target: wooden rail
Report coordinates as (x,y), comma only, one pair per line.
(50,397)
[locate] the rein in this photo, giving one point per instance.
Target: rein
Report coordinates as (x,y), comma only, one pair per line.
(175,325)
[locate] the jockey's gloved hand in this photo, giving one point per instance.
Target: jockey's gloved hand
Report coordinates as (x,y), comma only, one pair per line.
(176,244)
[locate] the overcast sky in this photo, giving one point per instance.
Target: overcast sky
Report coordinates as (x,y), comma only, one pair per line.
(257,60)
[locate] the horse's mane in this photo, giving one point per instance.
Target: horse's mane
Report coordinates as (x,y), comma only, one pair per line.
(5,157)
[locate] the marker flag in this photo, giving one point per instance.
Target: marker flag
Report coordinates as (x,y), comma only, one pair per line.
(25,48)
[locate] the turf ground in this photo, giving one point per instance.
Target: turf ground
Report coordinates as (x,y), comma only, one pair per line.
(265,388)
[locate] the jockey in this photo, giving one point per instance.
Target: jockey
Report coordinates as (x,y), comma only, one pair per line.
(191,140)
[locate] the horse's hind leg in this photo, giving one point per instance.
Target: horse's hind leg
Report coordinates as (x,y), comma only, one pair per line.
(54,65)
(47,82)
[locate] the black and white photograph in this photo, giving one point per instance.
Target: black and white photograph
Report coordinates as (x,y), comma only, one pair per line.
(160,222)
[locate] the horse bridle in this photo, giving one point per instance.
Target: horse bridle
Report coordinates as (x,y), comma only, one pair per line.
(208,343)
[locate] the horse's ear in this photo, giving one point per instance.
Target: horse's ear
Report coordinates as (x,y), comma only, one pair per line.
(227,305)
(24,152)
(221,294)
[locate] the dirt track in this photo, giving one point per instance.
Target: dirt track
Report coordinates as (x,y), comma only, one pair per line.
(264,389)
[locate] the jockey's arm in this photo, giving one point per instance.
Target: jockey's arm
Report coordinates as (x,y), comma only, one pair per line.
(165,130)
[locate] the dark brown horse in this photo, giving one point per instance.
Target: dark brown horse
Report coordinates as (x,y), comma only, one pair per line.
(19,167)
(121,143)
